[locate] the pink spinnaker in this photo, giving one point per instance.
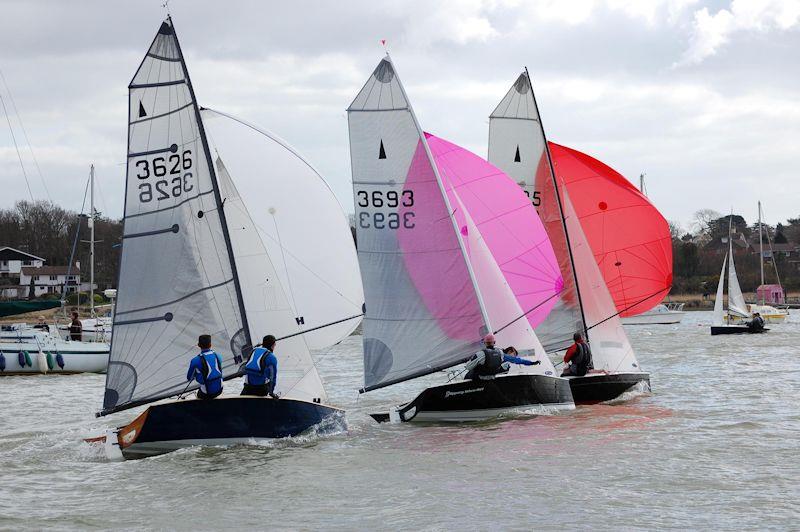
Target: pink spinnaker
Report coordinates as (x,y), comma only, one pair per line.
(508,225)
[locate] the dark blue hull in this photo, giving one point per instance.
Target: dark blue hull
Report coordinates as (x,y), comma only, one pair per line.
(224,421)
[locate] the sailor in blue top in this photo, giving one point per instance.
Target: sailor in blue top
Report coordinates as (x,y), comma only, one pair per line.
(206,369)
(261,370)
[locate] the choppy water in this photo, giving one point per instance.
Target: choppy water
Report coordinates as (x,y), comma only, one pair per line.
(714,446)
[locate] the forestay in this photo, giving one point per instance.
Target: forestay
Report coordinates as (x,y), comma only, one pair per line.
(422,309)
(300,222)
(517,147)
(177,277)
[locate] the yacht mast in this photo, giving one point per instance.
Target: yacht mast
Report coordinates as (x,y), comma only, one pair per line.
(761,253)
(91,242)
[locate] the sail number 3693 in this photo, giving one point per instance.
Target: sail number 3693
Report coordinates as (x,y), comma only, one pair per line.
(385,220)
(171,187)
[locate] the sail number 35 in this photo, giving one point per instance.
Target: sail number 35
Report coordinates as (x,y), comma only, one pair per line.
(385,220)
(171,187)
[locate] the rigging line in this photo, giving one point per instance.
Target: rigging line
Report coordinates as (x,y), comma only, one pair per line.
(528,312)
(14,138)
(628,307)
(319,327)
(25,134)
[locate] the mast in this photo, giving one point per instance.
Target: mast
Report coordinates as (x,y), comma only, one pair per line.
(450,211)
(560,208)
(761,253)
(730,252)
(91,242)
(217,195)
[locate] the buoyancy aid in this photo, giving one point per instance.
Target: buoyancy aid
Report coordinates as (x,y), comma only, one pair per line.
(255,369)
(212,372)
(492,363)
(582,359)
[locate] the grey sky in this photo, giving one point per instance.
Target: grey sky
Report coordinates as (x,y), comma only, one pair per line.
(703,96)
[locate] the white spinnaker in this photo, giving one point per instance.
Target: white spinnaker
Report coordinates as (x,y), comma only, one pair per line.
(176,277)
(736,303)
(301,223)
(502,306)
(611,349)
(719,313)
(265,301)
(517,146)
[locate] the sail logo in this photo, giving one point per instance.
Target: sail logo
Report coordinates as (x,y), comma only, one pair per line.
(462,392)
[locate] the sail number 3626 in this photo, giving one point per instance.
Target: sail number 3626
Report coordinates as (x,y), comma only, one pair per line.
(385,220)
(174,169)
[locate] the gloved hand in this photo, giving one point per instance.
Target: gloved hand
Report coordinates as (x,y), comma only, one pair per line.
(536,362)
(275,395)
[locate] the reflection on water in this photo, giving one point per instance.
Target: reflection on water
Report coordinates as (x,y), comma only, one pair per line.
(714,445)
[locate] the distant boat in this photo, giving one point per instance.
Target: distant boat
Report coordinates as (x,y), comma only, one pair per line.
(723,319)
(443,236)
(193,262)
(518,146)
(763,306)
(661,314)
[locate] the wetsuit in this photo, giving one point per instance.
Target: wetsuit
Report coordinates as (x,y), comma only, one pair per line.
(757,324)
(581,357)
(76,330)
(260,373)
(206,369)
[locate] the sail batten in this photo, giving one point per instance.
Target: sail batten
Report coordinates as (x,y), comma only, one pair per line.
(177,275)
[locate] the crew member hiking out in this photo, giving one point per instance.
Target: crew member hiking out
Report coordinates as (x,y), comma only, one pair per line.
(261,370)
(206,369)
(490,361)
(578,357)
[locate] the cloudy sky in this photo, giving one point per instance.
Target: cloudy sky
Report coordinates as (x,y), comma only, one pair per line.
(701,95)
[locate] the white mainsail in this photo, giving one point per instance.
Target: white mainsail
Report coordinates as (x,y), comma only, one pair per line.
(736,303)
(177,275)
(423,311)
(301,223)
(517,146)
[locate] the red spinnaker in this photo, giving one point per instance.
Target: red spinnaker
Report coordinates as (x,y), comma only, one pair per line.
(630,239)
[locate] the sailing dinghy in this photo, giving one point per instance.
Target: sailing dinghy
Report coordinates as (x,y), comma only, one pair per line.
(518,146)
(443,236)
(194,262)
(737,308)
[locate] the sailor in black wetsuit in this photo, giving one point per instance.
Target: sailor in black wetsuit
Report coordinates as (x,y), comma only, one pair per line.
(578,358)
(490,361)
(756,324)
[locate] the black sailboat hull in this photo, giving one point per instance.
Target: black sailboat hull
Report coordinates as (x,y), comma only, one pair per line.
(734,329)
(475,400)
(599,387)
(224,421)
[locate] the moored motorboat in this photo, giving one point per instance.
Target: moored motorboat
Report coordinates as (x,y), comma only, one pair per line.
(27,350)
(661,314)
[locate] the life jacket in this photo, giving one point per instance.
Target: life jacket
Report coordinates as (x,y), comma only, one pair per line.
(255,369)
(582,359)
(212,373)
(492,363)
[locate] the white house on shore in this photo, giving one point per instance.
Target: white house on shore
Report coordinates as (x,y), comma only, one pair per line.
(17,268)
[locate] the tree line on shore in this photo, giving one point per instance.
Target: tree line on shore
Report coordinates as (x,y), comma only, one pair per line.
(698,252)
(48,231)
